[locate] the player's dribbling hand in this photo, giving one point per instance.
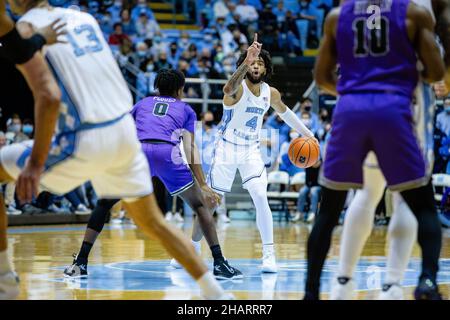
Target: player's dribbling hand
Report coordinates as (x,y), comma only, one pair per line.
(253,51)
(212,198)
(52,31)
(28,182)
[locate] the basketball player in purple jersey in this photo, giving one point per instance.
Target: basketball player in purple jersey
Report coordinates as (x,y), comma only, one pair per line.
(378,75)
(162,121)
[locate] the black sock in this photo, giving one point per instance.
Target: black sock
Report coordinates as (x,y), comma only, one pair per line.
(84,252)
(429,235)
(217,253)
(319,240)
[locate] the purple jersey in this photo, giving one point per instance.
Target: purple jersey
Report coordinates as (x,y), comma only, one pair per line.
(163,118)
(375,60)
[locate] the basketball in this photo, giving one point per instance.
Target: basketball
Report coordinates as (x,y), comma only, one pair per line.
(303,152)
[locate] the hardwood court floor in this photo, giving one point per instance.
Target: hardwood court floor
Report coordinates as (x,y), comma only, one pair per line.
(124,264)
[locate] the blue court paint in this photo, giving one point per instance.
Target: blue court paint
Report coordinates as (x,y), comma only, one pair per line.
(157,275)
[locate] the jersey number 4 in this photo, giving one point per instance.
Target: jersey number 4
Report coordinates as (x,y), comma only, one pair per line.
(88,31)
(160,109)
(374,42)
(252,123)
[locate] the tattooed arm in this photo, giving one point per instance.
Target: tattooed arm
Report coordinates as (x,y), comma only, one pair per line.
(233,88)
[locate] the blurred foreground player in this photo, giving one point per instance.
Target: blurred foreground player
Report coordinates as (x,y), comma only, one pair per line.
(95,136)
(377,66)
(23,53)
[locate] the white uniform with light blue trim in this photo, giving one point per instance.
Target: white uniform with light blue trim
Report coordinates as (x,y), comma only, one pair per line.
(237,144)
(96,137)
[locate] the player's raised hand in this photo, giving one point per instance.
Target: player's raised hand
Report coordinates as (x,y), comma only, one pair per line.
(253,51)
(53,31)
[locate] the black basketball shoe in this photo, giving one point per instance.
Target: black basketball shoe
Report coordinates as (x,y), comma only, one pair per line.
(223,271)
(427,290)
(77,269)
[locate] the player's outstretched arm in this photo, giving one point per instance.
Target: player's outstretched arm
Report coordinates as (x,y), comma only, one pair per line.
(287,115)
(325,68)
(425,43)
(46,103)
(233,88)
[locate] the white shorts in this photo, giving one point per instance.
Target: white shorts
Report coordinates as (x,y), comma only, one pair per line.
(109,156)
(229,157)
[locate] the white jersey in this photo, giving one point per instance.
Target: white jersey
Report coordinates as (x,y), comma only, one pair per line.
(242,122)
(93,88)
(427,4)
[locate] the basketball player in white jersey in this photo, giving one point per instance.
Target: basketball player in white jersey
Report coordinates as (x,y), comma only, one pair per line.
(247,98)
(402,230)
(95,136)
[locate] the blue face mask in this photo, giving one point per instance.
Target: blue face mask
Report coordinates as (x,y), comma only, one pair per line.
(157,39)
(27,128)
(447,109)
(142,54)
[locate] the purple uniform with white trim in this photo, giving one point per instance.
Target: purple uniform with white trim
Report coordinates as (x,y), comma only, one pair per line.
(378,75)
(162,120)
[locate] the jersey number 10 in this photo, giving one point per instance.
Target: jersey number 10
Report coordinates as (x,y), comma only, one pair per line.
(375,43)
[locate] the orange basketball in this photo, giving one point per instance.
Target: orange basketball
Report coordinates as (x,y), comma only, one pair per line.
(303,152)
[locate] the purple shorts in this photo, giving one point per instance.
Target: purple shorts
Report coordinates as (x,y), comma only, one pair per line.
(166,163)
(378,122)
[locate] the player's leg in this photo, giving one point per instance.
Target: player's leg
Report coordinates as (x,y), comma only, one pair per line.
(193,197)
(402,234)
(413,178)
(148,217)
(342,170)
(254,178)
(94,228)
(357,227)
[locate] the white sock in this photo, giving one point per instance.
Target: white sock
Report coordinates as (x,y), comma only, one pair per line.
(5,265)
(402,233)
(358,221)
(197,245)
(258,191)
(210,287)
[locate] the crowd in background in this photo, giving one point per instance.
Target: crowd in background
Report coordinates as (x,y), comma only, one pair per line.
(142,48)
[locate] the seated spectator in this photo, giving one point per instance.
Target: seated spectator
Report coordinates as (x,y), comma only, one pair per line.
(311,190)
(306,105)
(115,10)
(220,9)
(174,54)
(268,28)
(247,13)
(162,62)
(142,53)
(126,60)
(28,128)
(206,14)
(280,12)
(315,16)
(128,24)
(443,118)
(146,28)
(159,45)
(106,23)
(14,130)
(117,37)
(142,7)
(185,41)
(291,41)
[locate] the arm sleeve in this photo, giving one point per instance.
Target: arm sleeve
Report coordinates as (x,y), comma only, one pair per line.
(292,121)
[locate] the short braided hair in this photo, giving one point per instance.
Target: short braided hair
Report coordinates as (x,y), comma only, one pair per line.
(169,82)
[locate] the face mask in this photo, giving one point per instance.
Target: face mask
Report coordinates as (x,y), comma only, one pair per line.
(157,39)
(209,123)
(184,41)
(293,135)
(150,68)
(173,50)
(27,129)
(323,118)
(142,54)
(447,109)
(14,128)
(208,38)
(308,108)
(162,60)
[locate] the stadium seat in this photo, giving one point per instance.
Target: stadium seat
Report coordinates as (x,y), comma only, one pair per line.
(297,179)
(280,180)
